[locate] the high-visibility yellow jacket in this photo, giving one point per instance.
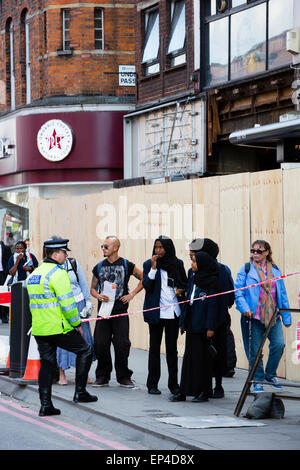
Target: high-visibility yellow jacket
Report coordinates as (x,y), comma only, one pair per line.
(52,305)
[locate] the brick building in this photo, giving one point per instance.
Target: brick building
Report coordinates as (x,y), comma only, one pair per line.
(207,69)
(67,49)
(61,98)
(165,136)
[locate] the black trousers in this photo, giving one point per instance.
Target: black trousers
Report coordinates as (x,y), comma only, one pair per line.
(171,328)
(112,331)
(72,341)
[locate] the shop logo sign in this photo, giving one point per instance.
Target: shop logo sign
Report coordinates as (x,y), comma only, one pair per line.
(55,140)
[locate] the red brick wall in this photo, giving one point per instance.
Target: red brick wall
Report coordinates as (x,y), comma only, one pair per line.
(169,81)
(83,72)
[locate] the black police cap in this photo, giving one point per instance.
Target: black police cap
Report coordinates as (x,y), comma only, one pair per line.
(57,243)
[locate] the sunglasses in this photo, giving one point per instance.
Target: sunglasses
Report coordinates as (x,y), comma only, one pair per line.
(105,247)
(259,252)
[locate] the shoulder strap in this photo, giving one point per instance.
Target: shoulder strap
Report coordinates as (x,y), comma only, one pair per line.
(126,266)
(247,267)
(99,265)
(74,267)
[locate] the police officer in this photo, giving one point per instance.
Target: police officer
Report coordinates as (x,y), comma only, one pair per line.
(56,322)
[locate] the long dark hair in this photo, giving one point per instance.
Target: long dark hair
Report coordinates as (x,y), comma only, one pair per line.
(266,246)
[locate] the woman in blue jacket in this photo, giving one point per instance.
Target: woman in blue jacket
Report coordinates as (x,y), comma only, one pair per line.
(199,320)
(257,305)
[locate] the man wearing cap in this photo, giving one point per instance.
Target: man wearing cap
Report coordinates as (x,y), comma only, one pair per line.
(56,322)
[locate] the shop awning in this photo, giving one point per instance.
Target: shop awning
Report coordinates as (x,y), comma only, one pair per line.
(268,135)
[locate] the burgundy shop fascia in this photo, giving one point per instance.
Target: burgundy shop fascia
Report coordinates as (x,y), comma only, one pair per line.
(61,147)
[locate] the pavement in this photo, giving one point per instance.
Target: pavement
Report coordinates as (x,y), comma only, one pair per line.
(182,425)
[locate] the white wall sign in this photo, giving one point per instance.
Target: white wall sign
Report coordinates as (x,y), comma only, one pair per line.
(55,140)
(126,75)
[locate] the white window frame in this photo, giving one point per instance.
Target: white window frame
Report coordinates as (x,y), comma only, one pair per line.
(98,11)
(150,59)
(66,31)
(177,30)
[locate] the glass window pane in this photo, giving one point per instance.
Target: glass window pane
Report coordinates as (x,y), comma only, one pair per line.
(151,37)
(98,28)
(218,52)
(177,34)
(236,3)
(98,13)
(152,69)
(248,42)
(213,10)
(280,21)
(98,24)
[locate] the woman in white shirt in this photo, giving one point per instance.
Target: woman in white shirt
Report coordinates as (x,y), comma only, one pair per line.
(165,281)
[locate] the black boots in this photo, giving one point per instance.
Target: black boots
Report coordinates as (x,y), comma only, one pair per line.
(47,408)
(82,396)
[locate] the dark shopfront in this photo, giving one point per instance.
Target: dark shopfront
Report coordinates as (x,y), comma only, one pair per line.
(282,138)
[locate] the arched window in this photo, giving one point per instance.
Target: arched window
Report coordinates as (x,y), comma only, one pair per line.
(10,64)
(25,57)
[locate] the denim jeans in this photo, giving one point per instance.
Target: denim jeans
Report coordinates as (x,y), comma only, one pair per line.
(276,347)
(245,334)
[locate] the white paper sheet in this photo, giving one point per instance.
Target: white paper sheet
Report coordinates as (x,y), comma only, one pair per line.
(109,289)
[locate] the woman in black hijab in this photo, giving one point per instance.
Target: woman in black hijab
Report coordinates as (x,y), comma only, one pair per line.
(165,281)
(198,319)
(170,263)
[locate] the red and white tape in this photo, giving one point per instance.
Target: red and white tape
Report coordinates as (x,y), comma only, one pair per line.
(185,301)
(5,298)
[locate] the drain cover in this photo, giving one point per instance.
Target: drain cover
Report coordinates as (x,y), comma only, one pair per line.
(211,421)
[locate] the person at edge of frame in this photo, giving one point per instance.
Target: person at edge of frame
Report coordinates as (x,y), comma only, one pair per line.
(5,254)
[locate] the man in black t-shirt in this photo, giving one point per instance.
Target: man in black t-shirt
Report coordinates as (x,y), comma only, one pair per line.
(116,270)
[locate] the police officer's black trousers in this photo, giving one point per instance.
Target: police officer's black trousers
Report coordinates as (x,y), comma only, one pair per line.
(72,341)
